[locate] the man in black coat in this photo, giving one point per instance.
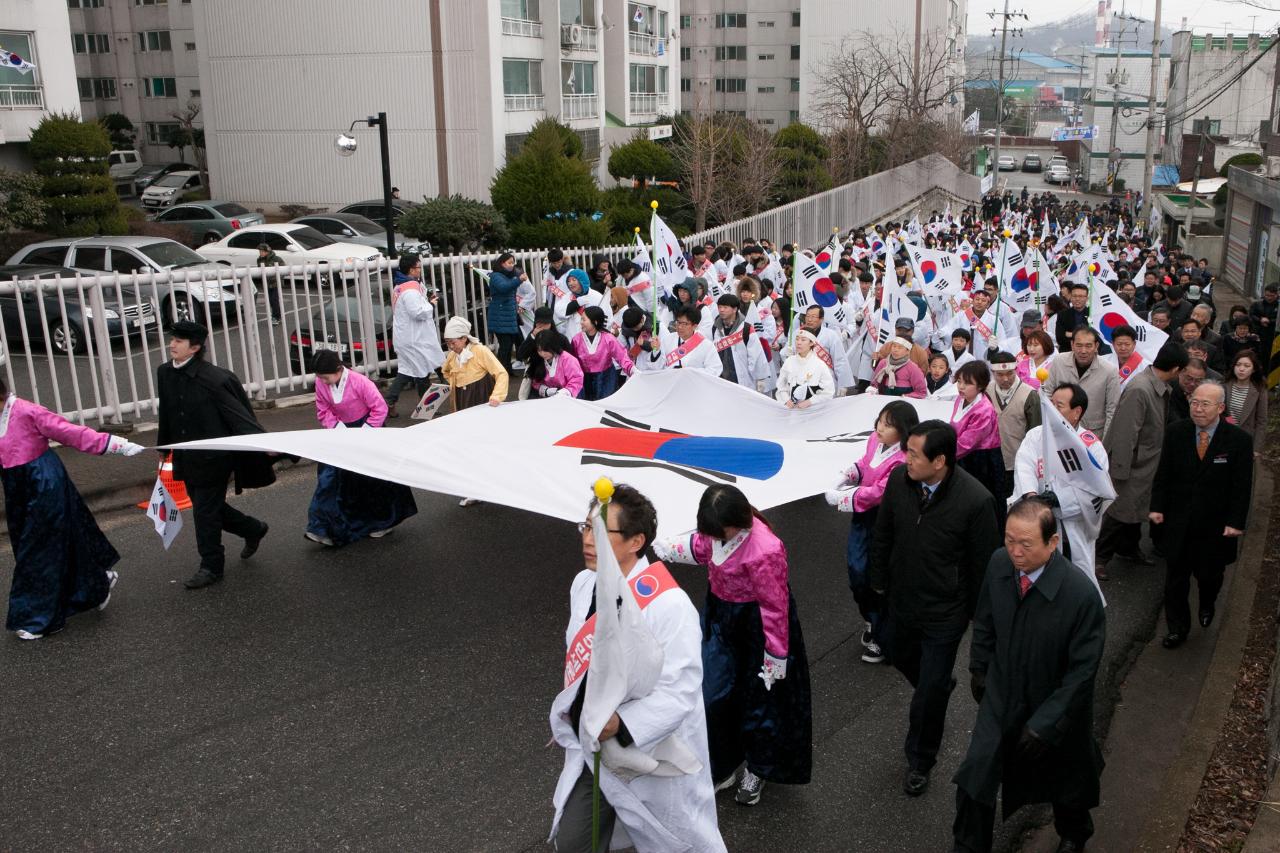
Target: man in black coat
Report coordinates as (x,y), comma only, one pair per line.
(933,538)
(1037,642)
(199,400)
(1201,498)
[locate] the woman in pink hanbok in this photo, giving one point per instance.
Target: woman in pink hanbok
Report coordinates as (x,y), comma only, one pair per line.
(600,355)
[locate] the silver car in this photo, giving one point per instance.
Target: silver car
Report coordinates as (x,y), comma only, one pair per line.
(354,228)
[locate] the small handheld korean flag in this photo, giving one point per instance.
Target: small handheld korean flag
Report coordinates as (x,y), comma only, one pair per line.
(939,272)
(1107,312)
(162,509)
(437,395)
(1068,459)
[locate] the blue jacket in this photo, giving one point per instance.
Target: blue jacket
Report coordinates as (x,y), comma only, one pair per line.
(502,302)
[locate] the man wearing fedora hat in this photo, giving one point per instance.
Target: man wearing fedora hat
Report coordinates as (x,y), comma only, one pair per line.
(200,400)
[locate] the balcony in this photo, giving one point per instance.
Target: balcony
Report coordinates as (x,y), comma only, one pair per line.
(579,37)
(650,103)
(579,106)
(21,97)
(644,45)
(521,103)
(521,27)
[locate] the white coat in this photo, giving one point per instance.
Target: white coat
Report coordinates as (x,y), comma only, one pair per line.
(829,339)
(415,335)
(749,363)
(800,375)
(569,324)
(703,357)
(1080,514)
(1007,328)
(654,814)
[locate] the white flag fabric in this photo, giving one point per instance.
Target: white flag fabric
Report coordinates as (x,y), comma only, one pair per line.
(435,397)
(966,256)
(163,511)
(1017,288)
(1081,234)
(670,434)
(670,267)
(813,286)
(1090,264)
(971,122)
(894,303)
(914,233)
(1107,312)
(1043,281)
(1067,458)
(938,272)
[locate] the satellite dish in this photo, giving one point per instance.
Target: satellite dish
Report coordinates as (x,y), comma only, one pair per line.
(345,145)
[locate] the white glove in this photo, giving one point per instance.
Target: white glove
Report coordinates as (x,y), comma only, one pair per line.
(871,389)
(118,446)
(547,391)
(676,549)
(842,499)
(564,392)
(774,669)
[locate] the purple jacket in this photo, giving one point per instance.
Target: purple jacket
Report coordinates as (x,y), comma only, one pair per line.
(359,398)
(32,427)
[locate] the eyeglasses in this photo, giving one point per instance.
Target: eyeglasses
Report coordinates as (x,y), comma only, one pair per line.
(1202,404)
(584,526)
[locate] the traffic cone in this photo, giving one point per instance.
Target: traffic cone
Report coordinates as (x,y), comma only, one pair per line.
(174,487)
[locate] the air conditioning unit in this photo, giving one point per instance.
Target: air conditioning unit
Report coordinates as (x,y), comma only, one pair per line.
(570,34)
(1273,167)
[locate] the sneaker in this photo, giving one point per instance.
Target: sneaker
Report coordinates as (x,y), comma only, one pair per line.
(378,534)
(468,502)
(316,537)
(728,782)
(112,577)
(873,653)
(866,637)
(749,789)
(27,635)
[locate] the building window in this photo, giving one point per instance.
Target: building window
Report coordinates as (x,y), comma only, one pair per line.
(191,45)
(648,79)
(795,116)
(521,77)
(577,78)
(521,10)
(766,23)
(686,53)
(1213,129)
(151,2)
(578,12)
(91,42)
(686,85)
(195,93)
(24,88)
(686,21)
(731,52)
(765,121)
(97,88)
(154,40)
(765,90)
(731,84)
(160,87)
(731,19)
(795,19)
(795,51)
(158,132)
(795,84)
(765,57)
(85,4)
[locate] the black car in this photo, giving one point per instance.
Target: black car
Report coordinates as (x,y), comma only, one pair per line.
(148,175)
(335,325)
(373,209)
(1032,163)
(67,319)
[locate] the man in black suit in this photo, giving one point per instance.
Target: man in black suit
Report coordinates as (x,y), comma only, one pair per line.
(934,535)
(1201,497)
(1038,635)
(200,400)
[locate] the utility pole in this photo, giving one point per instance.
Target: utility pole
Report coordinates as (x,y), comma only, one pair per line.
(1118,78)
(1149,166)
(1195,180)
(1004,39)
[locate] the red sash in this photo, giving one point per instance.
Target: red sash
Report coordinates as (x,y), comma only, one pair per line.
(639,285)
(1127,369)
(821,352)
(976,322)
(679,353)
(646,585)
(727,341)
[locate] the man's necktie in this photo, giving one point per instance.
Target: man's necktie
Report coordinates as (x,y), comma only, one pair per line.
(925,497)
(1202,443)
(1024,584)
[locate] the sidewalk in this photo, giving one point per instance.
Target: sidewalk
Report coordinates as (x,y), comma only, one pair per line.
(1171,709)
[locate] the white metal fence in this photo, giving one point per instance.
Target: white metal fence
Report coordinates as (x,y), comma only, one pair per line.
(89,346)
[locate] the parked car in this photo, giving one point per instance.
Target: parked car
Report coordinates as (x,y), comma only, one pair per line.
(122,164)
(1057,160)
(335,325)
(148,174)
(141,255)
(1007,163)
(373,209)
(169,189)
(1032,163)
(125,312)
(209,221)
(295,244)
(1057,174)
(354,228)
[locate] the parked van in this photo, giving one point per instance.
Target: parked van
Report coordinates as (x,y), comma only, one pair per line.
(124,164)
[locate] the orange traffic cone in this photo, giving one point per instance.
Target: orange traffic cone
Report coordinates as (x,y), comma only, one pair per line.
(175,487)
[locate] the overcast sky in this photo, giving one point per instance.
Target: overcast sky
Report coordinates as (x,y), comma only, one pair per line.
(1218,16)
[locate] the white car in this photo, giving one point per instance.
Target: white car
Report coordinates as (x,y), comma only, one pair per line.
(1057,174)
(293,243)
(169,189)
(1007,164)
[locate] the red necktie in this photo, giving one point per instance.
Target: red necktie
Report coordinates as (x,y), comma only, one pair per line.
(1024,584)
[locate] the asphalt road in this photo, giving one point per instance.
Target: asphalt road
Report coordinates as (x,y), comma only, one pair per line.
(393,695)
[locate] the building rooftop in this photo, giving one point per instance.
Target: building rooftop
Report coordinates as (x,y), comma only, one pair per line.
(1047,62)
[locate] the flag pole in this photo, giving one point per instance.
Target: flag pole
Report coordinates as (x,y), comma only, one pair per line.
(603,489)
(653,263)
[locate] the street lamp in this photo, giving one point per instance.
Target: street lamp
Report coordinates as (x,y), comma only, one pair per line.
(345,144)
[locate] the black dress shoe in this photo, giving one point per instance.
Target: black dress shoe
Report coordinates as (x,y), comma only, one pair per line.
(1173,639)
(1066,845)
(916,783)
(251,544)
(1139,558)
(1100,571)
(1206,617)
(200,579)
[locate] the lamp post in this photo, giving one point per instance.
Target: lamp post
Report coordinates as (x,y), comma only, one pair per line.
(346,144)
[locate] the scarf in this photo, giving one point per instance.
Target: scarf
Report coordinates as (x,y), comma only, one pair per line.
(1005,396)
(888,372)
(465,355)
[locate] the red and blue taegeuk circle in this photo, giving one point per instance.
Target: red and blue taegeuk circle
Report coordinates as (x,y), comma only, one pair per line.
(823,259)
(824,292)
(1021,281)
(1110,322)
(928,271)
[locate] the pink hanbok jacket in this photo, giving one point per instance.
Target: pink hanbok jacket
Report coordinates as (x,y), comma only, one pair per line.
(360,397)
(31,427)
(873,480)
(608,351)
(1027,371)
(978,428)
(568,375)
(757,571)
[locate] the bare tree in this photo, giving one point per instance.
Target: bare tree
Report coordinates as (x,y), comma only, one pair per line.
(186,118)
(750,173)
(703,145)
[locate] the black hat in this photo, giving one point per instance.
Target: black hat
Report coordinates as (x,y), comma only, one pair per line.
(1031,319)
(543,315)
(189,330)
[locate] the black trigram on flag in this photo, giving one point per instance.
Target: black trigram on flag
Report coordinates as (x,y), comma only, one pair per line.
(1070,459)
(1097,503)
(945,262)
(1105,299)
(802,298)
(811,272)
(1140,332)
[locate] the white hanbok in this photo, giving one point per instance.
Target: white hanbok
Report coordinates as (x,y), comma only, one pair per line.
(415,335)
(702,357)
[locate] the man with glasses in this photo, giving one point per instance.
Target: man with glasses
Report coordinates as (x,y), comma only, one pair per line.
(1191,377)
(1201,499)
(653,812)
(688,349)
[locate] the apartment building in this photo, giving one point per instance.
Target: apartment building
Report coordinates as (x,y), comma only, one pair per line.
(1117,106)
(461,83)
(741,57)
(38,32)
(136,58)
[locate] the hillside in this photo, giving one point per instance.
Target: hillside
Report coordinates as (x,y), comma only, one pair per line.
(1066,36)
